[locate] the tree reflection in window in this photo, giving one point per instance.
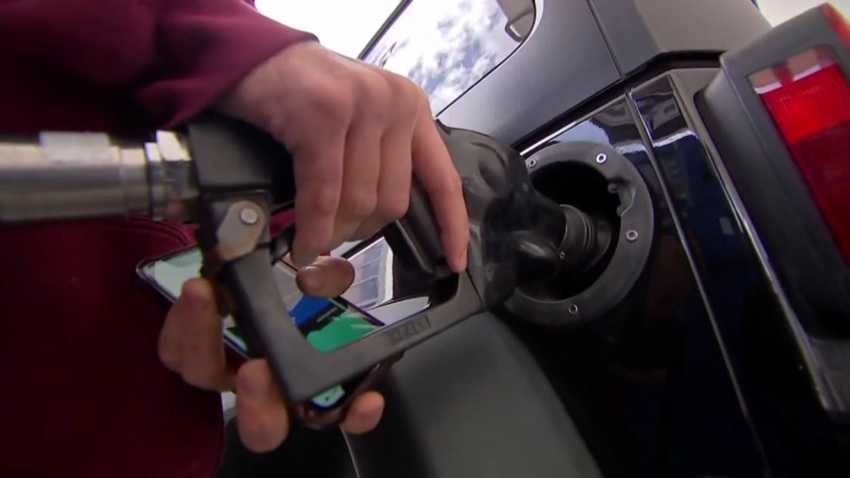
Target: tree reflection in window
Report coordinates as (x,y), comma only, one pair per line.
(446,46)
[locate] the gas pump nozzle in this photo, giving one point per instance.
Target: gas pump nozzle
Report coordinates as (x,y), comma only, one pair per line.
(229,177)
(61,175)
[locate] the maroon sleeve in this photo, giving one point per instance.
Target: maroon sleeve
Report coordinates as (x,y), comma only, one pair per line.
(175,56)
(204,47)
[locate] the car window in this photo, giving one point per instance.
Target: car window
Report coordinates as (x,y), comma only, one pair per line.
(446,46)
(344,26)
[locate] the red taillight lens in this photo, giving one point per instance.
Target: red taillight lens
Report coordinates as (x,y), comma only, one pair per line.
(808,98)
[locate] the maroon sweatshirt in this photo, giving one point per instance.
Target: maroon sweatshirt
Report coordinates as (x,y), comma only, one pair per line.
(83,393)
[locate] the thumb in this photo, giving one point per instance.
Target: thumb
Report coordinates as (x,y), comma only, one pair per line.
(327,277)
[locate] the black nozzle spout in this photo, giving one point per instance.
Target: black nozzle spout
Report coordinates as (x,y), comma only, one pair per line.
(586,240)
(567,243)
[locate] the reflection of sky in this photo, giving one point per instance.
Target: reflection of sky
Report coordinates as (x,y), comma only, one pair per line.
(445,46)
(345,26)
(372,276)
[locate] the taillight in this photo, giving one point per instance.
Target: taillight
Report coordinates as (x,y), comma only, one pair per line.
(808,98)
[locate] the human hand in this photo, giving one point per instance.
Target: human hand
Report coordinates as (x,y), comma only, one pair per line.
(191,345)
(357,134)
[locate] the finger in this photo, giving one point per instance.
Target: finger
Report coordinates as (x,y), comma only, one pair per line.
(203,362)
(168,347)
(369,228)
(433,166)
(318,176)
(327,277)
(260,414)
(364,414)
(394,183)
(362,170)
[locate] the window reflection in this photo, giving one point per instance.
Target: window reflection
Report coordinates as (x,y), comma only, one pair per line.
(382,286)
(446,46)
(372,276)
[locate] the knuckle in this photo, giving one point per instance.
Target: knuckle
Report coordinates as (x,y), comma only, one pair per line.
(395,207)
(333,106)
(409,93)
(417,93)
(362,204)
(400,82)
(452,186)
(375,94)
(317,242)
(417,97)
(325,201)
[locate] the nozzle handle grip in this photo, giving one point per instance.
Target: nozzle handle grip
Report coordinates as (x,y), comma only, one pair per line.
(415,238)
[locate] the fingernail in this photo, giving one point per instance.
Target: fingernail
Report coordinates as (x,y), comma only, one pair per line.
(254,384)
(311,277)
(372,408)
